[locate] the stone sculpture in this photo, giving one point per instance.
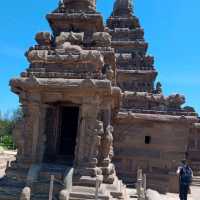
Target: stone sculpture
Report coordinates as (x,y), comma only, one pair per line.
(106,146)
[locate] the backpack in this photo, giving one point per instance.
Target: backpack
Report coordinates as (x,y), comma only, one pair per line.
(186,175)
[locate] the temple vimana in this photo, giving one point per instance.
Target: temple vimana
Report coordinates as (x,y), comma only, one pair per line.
(93,112)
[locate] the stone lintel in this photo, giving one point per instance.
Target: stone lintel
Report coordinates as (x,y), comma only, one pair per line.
(71,87)
(59,83)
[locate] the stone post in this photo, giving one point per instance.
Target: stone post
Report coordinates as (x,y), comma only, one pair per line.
(145,184)
(26,194)
(139,183)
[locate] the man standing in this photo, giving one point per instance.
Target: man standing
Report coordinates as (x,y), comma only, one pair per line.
(185,178)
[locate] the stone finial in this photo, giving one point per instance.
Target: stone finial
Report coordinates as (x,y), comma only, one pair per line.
(159,88)
(123,8)
(80,5)
(26,194)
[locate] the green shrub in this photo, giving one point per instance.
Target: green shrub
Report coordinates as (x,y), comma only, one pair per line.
(6,141)
(7,123)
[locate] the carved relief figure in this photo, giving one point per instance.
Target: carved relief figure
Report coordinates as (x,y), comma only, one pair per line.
(107,146)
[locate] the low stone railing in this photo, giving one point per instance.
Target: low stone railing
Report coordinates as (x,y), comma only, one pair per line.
(64,194)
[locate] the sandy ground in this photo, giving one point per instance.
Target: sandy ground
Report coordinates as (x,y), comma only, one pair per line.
(4,157)
(195,195)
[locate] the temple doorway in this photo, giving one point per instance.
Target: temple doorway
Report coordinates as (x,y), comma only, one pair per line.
(61,131)
(68,131)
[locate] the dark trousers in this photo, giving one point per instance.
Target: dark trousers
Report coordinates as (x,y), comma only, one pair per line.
(183,191)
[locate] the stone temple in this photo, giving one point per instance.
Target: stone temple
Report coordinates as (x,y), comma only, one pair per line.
(92,110)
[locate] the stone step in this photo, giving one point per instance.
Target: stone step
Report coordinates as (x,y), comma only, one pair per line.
(46,175)
(6,196)
(18,174)
(11,182)
(74,198)
(196,184)
(81,192)
(41,196)
(85,181)
(43,187)
(196,178)
(57,170)
(196,181)
(79,195)
(40,189)
(10,192)
(83,189)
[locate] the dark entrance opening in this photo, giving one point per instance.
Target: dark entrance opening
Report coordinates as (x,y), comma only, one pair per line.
(61,132)
(68,132)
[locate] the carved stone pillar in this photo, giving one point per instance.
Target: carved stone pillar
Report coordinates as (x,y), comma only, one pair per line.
(89,138)
(106,154)
(35,117)
(42,136)
(19,134)
(27,133)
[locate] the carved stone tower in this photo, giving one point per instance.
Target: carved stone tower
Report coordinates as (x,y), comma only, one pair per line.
(135,69)
(69,98)
(148,125)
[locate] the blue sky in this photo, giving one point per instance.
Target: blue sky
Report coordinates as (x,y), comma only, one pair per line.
(172,29)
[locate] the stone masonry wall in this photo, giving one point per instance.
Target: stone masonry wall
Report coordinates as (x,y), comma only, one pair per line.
(156,146)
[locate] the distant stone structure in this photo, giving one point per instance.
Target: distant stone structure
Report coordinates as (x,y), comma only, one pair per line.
(90,103)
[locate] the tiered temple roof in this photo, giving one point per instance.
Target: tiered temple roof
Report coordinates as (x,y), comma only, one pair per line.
(135,69)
